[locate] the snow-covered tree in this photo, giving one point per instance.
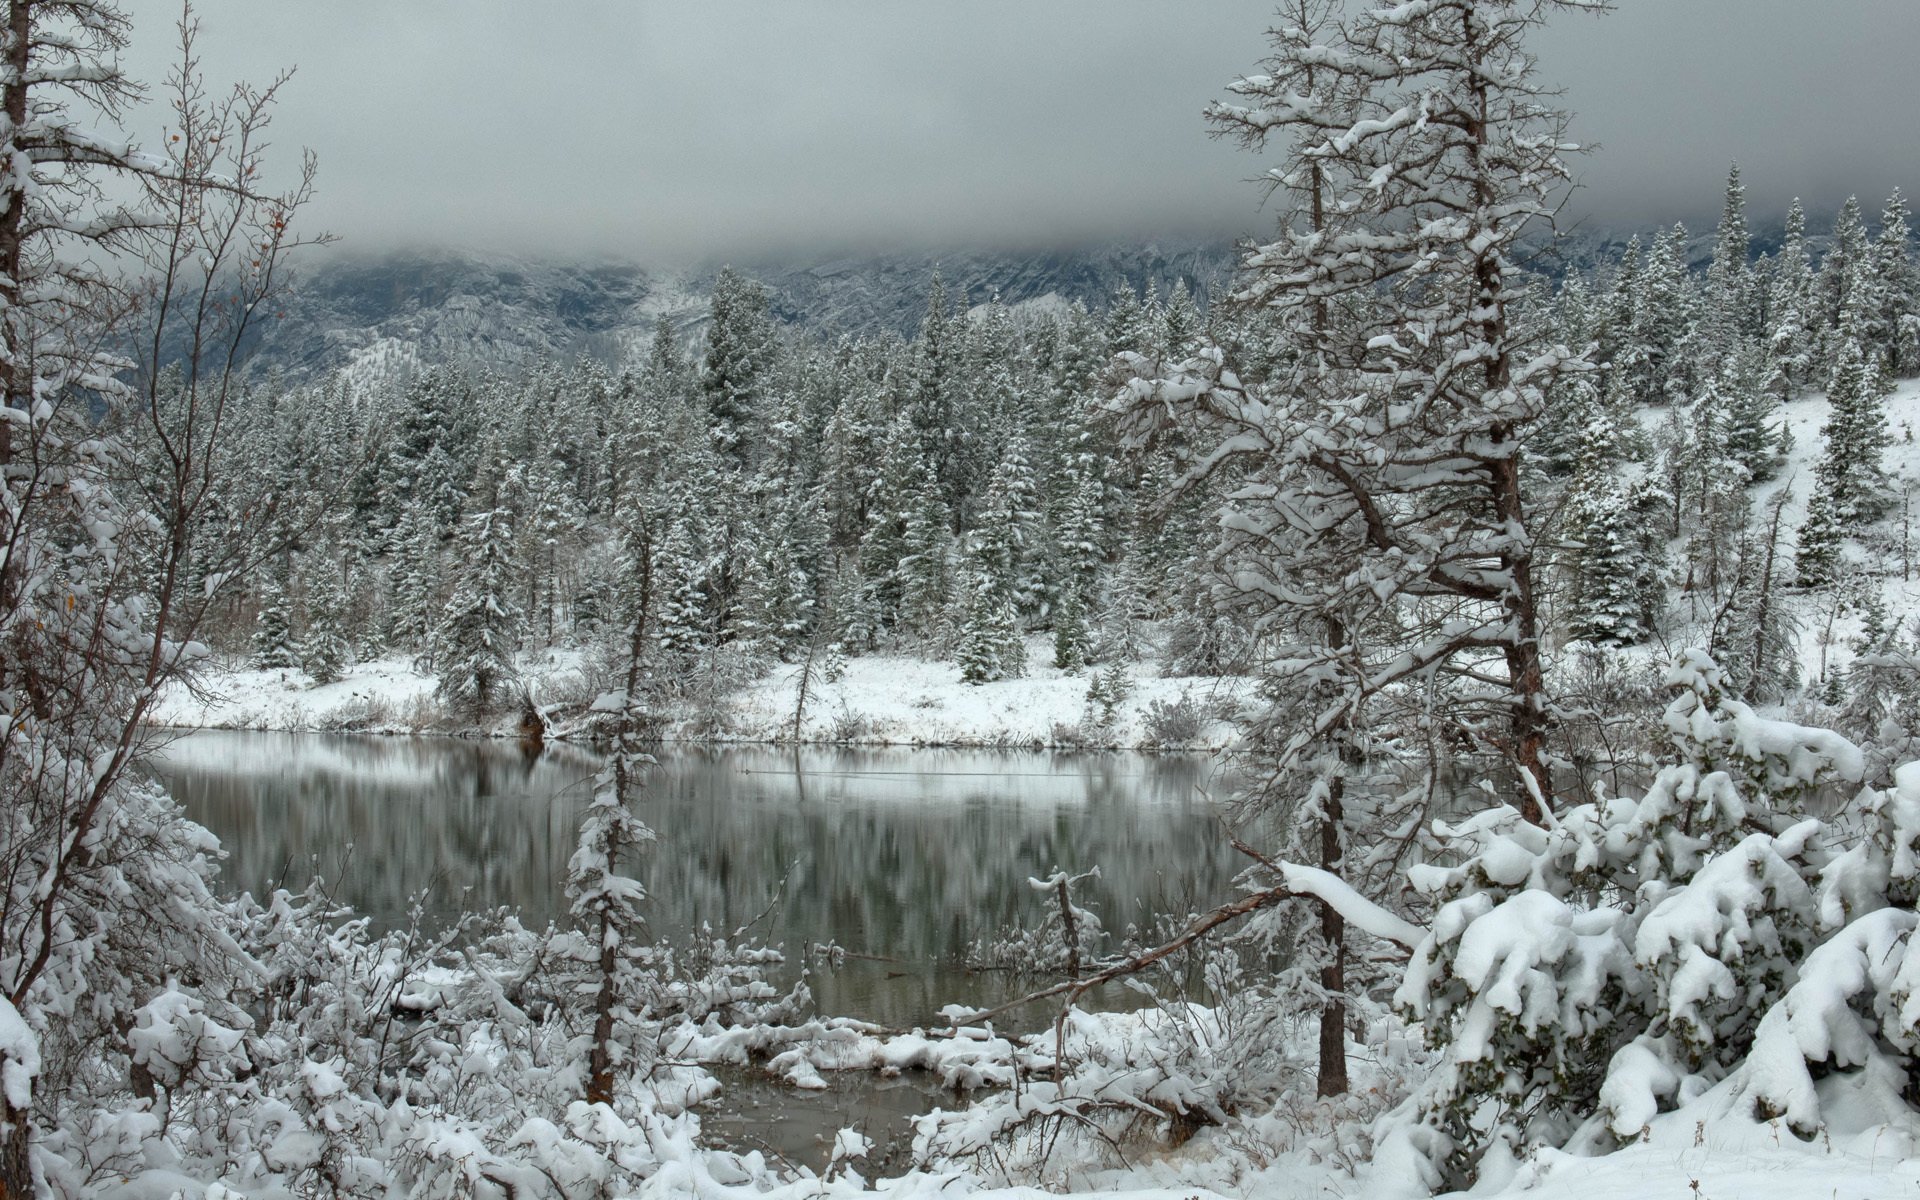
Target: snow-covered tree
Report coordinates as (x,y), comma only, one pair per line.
(323,644)
(480,626)
(109,886)
(1790,310)
(1398,461)
(740,349)
(1579,979)
(273,641)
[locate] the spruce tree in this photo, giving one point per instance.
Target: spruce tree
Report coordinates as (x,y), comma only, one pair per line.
(323,647)
(990,645)
(1852,474)
(273,641)
(740,352)
(1790,310)
(480,626)
(1896,323)
(924,571)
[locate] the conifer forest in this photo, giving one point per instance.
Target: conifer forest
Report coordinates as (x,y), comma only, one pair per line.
(1534,601)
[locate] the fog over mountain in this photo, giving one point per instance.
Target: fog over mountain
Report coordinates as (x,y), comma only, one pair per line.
(682,132)
(381,314)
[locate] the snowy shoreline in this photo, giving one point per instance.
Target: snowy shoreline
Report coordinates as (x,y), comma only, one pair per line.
(881,701)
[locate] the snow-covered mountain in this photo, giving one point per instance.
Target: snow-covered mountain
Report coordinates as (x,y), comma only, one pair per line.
(380,315)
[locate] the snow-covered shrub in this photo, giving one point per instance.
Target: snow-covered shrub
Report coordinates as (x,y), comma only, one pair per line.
(1101,1085)
(1174,724)
(1067,939)
(1583,976)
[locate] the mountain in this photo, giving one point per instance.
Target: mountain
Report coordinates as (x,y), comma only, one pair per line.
(374,316)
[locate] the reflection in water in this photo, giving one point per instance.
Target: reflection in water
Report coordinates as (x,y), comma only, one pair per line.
(905,856)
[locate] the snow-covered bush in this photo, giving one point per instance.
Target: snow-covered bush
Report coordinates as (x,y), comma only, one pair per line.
(1583,976)
(1174,724)
(1066,940)
(1100,1086)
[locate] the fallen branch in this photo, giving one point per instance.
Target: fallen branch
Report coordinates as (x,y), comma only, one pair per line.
(1302,883)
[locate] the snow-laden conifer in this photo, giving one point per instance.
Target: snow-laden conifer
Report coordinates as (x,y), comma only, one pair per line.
(479,629)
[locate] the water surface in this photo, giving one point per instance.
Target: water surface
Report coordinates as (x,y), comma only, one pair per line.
(901,858)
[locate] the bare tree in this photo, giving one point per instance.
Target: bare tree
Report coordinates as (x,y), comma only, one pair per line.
(111,254)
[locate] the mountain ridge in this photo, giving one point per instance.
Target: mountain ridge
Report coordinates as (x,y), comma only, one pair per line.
(372,315)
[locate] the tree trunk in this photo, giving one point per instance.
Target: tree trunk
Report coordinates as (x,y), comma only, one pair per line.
(16,1158)
(1333,931)
(600,1061)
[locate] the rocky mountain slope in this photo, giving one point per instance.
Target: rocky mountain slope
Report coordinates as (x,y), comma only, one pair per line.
(380,315)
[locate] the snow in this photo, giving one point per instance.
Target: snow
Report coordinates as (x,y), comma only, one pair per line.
(1359,911)
(19,1057)
(1804,417)
(379,693)
(897,700)
(881,700)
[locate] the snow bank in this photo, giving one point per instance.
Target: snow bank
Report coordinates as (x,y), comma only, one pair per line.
(881,700)
(384,695)
(894,700)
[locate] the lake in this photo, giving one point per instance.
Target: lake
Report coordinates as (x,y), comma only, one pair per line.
(901,858)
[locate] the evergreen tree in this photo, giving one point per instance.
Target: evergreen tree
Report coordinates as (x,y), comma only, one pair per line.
(1838,289)
(925,585)
(1851,473)
(1608,515)
(273,642)
(740,353)
(1895,328)
(480,626)
(683,626)
(990,645)
(605,902)
(323,648)
(416,582)
(1729,307)
(1790,310)
(1816,558)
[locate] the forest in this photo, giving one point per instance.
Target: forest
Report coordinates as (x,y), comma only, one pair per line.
(1577,718)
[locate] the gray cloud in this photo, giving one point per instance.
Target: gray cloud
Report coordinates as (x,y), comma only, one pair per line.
(1814,98)
(727,128)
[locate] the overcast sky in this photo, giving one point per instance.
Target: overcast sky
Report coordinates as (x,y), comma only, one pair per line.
(714,128)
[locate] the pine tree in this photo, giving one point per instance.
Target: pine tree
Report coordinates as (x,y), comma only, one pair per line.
(1851,473)
(1896,323)
(273,642)
(416,582)
(480,626)
(1729,307)
(740,351)
(1659,368)
(1071,648)
(1608,516)
(323,648)
(990,645)
(1790,310)
(1816,558)
(605,902)
(923,572)
(1353,441)
(683,625)
(1837,288)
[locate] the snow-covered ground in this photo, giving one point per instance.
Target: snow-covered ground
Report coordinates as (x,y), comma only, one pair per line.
(880,700)
(382,696)
(1880,559)
(893,700)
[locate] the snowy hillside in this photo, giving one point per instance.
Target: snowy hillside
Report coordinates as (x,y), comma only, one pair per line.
(382,315)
